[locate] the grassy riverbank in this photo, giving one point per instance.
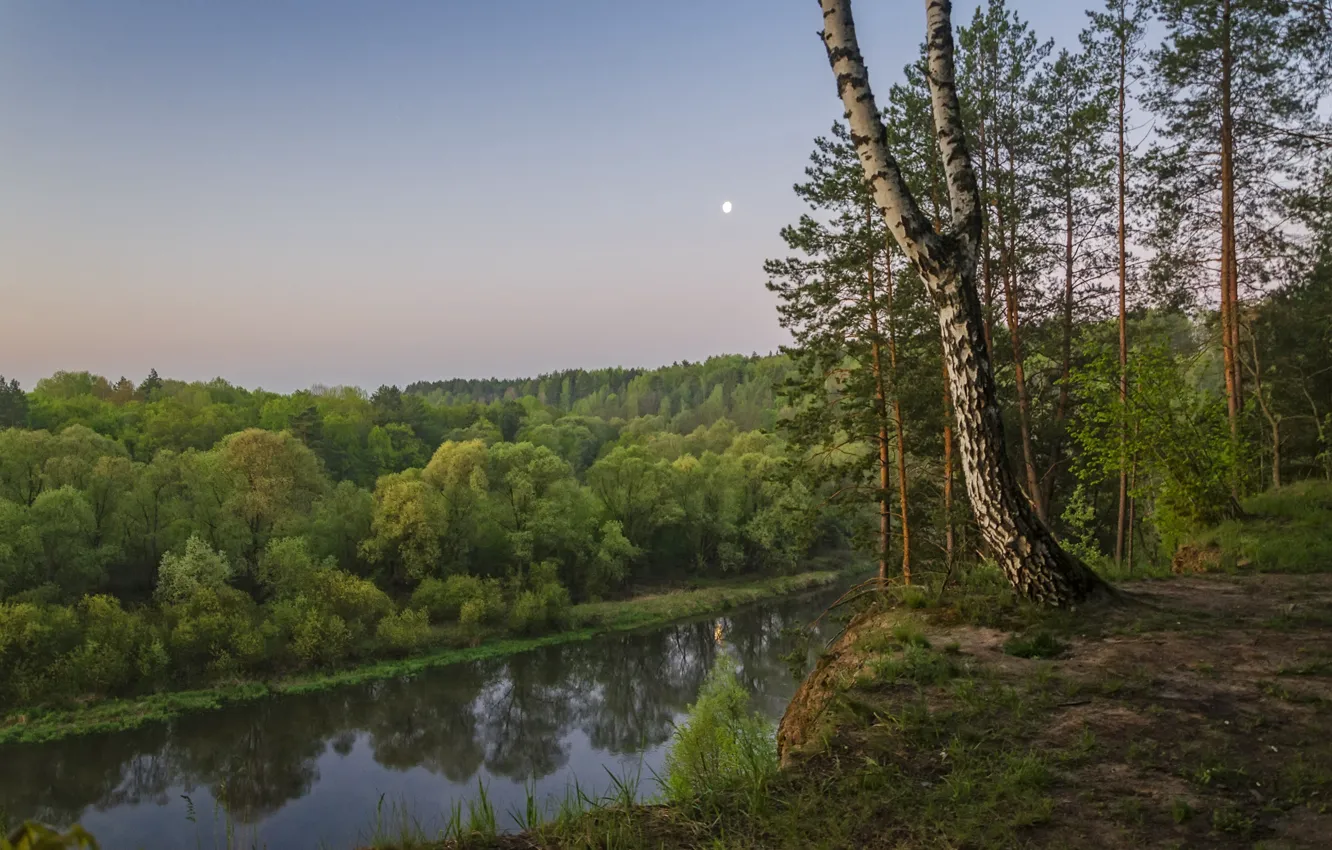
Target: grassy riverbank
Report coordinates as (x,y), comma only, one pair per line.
(1196,711)
(585,621)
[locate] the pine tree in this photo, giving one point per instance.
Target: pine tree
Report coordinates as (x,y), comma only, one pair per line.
(1006,57)
(834,298)
(1113,46)
(150,387)
(13,405)
(1074,175)
(1237,84)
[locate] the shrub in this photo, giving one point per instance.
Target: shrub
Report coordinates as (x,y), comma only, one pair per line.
(213,633)
(196,569)
(443,600)
(485,608)
(33,638)
(117,649)
(287,568)
(722,746)
(544,604)
(321,637)
(527,616)
(610,563)
(405,631)
(356,601)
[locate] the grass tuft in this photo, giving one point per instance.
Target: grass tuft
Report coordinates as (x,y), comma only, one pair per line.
(1035,645)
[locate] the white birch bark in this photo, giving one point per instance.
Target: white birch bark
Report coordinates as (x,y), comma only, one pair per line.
(1025,550)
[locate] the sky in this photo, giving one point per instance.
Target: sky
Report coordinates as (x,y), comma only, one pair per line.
(296,192)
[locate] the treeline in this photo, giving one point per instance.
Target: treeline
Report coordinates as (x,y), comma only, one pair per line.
(151,535)
(685,395)
(1155,273)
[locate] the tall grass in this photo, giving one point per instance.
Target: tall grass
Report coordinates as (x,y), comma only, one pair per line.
(723,750)
(1286,531)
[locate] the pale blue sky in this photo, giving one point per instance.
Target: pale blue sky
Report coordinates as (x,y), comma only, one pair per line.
(286,193)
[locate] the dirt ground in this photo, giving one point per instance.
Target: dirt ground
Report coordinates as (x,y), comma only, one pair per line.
(1198,713)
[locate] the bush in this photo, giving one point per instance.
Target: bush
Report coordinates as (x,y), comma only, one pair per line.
(321,637)
(33,638)
(722,747)
(197,569)
(484,607)
(544,604)
(118,650)
(356,601)
(213,634)
(528,615)
(405,631)
(287,568)
(443,600)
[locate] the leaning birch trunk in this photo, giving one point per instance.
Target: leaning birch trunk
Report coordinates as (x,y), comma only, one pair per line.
(1025,550)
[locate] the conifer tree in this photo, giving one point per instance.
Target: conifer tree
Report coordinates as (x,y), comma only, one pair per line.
(1075,168)
(835,296)
(1237,85)
(1113,46)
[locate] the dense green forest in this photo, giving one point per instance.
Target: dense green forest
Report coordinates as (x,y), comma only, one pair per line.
(165,533)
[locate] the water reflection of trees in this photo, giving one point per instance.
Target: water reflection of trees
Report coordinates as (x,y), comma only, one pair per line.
(54,783)
(515,717)
(428,721)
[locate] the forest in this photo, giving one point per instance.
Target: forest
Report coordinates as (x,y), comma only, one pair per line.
(165,534)
(1146,230)
(1154,273)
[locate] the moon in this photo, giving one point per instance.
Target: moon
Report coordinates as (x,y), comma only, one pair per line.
(726,207)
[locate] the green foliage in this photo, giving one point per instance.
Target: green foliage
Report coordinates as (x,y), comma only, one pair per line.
(1283,531)
(444,600)
(13,404)
(483,609)
(541,603)
(610,564)
(213,633)
(1080,523)
(723,747)
(1039,644)
(1176,435)
(197,569)
(35,836)
(405,631)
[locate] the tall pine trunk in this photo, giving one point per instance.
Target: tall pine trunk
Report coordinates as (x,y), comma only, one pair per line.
(1229,265)
(1066,348)
(1122,193)
(987,241)
(881,414)
(1026,552)
(898,427)
(1009,274)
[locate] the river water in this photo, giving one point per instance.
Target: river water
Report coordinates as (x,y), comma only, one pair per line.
(311,770)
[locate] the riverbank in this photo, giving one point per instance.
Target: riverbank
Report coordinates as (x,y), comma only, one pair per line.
(1194,711)
(586,621)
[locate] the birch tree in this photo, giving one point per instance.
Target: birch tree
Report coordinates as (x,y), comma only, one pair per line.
(1023,547)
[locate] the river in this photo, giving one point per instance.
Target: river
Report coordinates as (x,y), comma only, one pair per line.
(311,770)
